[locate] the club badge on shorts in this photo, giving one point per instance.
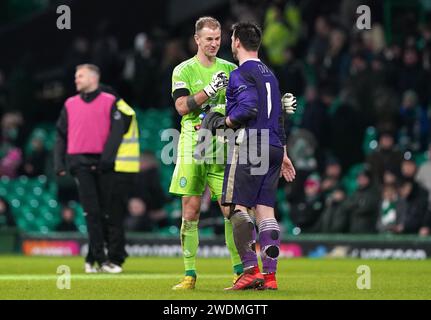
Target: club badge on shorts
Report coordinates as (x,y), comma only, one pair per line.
(183,182)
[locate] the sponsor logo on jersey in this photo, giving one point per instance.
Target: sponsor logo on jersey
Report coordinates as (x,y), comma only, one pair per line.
(180,85)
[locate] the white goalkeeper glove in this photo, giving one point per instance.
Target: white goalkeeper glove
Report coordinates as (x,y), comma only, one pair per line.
(289,103)
(218,82)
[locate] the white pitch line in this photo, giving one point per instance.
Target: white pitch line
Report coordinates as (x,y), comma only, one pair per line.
(47,277)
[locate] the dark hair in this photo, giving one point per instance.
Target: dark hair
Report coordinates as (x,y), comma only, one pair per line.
(249,34)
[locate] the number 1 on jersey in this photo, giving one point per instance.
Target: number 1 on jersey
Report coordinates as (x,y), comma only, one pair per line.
(268,98)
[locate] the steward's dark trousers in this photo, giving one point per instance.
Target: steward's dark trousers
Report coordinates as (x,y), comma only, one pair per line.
(94,189)
(118,207)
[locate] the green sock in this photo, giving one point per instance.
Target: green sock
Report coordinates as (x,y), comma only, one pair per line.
(230,243)
(189,244)
(191,273)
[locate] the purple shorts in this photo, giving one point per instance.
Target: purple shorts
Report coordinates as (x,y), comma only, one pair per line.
(248,182)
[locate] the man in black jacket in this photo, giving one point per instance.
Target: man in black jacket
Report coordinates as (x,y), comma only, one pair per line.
(89,131)
(363,205)
(412,208)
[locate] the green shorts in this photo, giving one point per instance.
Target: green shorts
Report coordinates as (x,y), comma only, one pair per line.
(191,179)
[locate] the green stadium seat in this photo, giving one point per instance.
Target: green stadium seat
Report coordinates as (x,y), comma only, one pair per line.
(15,204)
(82,228)
(29,216)
(23,224)
(37,192)
(53,204)
(3,191)
(23,181)
(34,204)
(5,181)
(20,191)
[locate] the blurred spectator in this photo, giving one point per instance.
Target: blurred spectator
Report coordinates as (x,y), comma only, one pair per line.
(37,155)
(106,55)
(334,218)
(346,135)
(10,153)
(10,160)
(408,168)
(384,97)
(336,59)
(11,125)
(332,177)
(391,177)
(140,69)
(3,93)
(67,223)
(225,51)
(291,75)
(247,10)
(411,75)
(21,85)
(281,30)
(172,56)
(374,39)
(385,157)
(363,205)
(361,85)
(301,145)
(388,213)
(137,220)
(412,208)
(149,189)
(315,120)
(78,53)
(305,214)
(319,42)
(414,123)
(6,217)
(424,175)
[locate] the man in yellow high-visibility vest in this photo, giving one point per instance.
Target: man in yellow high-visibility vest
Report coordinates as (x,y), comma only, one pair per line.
(125,168)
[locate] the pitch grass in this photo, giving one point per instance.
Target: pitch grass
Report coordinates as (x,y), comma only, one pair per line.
(152,278)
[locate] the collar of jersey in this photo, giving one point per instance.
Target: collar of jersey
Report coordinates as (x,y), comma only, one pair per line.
(250,59)
(213,66)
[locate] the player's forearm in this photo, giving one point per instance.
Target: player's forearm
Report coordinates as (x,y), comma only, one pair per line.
(187,104)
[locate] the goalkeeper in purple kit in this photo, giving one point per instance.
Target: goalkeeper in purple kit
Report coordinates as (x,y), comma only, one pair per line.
(256,110)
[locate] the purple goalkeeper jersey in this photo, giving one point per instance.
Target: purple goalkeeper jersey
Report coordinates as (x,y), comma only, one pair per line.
(253,100)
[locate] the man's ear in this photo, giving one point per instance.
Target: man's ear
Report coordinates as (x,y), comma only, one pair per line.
(196,39)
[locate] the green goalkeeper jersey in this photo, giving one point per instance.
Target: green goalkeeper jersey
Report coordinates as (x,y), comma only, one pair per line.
(193,76)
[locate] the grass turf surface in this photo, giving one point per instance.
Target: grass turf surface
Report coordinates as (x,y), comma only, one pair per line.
(152,278)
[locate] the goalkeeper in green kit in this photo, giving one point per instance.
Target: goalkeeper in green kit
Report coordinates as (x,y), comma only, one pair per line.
(198,86)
